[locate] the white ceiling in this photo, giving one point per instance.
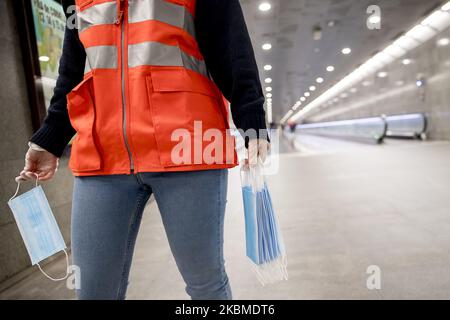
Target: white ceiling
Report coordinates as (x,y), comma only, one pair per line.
(298,59)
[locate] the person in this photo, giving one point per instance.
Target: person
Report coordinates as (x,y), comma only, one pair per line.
(141,82)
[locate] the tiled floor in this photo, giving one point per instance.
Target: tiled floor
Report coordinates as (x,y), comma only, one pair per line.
(341,211)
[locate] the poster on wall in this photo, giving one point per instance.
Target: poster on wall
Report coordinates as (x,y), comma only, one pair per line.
(49,22)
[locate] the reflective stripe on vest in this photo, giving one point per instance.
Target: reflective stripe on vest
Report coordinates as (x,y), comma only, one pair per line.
(102,13)
(145,53)
(175,15)
(158,54)
(139,11)
(102,57)
(87,66)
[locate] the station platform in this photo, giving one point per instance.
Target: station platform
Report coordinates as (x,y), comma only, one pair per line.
(343,206)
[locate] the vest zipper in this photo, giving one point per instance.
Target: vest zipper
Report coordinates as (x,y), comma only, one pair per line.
(119,20)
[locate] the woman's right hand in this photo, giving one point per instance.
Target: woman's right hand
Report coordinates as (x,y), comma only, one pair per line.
(42,163)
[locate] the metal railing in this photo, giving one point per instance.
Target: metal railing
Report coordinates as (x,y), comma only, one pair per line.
(407,125)
(375,128)
(367,128)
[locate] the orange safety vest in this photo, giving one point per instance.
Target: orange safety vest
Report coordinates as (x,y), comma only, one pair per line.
(145,77)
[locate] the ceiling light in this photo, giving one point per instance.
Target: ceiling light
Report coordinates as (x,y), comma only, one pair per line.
(406,61)
(394,51)
(267,67)
(346,51)
(307,94)
(382,58)
(269,100)
(268,89)
(435,20)
(267,46)
(296,105)
(366,83)
(268,80)
(344,95)
(382,74)
(44,58)
(269,95)
(443,42)
(331,23)
(330,68)
(400,82)
(406,43)
(353,90)
(312,88)
(302,99)
(421,33)
(265,6)
(319,80)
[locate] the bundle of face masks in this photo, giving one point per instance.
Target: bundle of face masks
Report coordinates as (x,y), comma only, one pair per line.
(37,226)
(264,242)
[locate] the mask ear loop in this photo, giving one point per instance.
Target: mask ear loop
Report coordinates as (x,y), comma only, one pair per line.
(65,252)
(18,186)
(57,279)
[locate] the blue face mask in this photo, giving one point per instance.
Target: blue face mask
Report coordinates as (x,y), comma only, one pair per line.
(37,225)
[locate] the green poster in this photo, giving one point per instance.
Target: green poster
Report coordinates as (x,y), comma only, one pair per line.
(49,23)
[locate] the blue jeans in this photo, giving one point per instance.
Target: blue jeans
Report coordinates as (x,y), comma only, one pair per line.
(106,214)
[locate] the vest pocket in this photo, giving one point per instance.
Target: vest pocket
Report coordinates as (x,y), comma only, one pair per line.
(183,107)
(80,104)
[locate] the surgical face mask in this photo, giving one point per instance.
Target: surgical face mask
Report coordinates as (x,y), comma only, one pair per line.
(37,226)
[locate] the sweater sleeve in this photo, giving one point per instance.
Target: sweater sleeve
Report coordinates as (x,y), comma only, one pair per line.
(56,130)
(224,41)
